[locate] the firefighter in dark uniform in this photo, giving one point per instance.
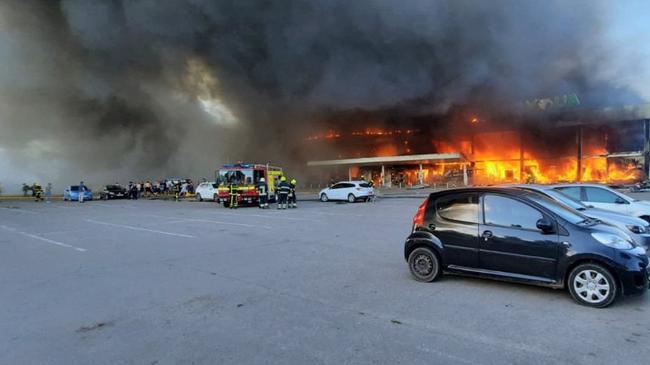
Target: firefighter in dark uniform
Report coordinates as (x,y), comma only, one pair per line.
(37,192)
(292,194)
(177,190)
(263,192)
(283,193)
(233,191)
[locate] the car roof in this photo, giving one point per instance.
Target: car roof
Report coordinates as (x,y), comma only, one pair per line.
(581,184)
(488,189)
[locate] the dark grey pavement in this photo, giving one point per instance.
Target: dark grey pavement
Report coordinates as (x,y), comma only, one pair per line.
(159,282)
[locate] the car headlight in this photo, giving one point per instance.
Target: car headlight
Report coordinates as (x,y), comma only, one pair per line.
(636,229)
(612,240)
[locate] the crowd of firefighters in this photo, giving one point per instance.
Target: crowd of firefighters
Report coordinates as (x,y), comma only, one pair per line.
(285,193)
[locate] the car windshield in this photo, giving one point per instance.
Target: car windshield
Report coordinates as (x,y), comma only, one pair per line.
(74,188)
(113,188)
(561,210)
(236,176)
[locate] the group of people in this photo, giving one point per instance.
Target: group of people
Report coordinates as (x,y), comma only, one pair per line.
(178,188)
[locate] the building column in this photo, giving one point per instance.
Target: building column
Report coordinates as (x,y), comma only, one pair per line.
(383,176)
(350,173)
(579,162)
(646,148)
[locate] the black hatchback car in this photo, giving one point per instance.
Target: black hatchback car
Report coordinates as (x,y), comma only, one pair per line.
(517,235)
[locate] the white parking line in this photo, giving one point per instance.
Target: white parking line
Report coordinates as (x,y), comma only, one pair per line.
(140,229)
(43,239)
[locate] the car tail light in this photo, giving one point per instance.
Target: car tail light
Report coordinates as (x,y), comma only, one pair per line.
(418,220)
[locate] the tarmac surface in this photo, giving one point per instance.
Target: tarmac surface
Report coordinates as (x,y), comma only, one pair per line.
(162,282)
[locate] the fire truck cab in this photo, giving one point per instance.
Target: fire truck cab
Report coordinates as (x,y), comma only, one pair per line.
(246,176)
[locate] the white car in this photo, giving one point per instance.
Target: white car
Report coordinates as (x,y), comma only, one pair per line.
(603,197)
(207,190)
(348,190)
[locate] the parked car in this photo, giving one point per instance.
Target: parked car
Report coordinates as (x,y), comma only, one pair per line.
(113,192)
(517,235)
(604,197)
(207,190)
(72,193)
(348,190)
(636,228)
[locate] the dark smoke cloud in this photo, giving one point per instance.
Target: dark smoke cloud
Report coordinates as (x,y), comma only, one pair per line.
(99,89)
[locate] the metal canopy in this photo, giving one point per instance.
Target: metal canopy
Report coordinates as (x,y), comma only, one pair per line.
(408,159)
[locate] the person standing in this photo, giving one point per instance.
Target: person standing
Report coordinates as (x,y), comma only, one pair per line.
(82,189)
(263,192)
(283,193)
(292,194)
(233,191)
(48,192)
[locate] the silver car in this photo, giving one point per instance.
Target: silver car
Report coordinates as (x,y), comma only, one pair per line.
(637,228)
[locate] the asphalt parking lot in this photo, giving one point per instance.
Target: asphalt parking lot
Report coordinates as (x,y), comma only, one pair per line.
(160,282)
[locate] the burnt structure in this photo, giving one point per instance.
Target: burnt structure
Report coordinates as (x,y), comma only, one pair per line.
(607,145)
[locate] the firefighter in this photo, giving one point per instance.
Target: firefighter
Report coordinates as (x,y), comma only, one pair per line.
(177,190)
(292,194)
(37,192)
(283,193)
(233,191)
(263,191)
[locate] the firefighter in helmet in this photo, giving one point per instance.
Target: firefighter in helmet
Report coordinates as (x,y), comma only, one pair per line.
(37,192)
(233,192)
(283,193)
(292,194)
(263,192)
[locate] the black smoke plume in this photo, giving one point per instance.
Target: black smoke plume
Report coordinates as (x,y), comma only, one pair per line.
(113,90)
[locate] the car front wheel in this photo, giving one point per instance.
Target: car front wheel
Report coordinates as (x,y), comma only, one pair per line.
(592,285)
(424,264)
(323,197)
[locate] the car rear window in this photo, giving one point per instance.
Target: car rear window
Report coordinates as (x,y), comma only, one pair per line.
(459,208)
(364,185)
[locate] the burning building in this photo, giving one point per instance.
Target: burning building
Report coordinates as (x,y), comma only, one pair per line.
(567,144)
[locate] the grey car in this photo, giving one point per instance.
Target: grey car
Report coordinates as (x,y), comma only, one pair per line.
(637,228)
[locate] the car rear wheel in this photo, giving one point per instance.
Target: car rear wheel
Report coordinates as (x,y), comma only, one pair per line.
(323,197)
(215,197)
(424,265)
(592,285)
(351,198)
(198,197)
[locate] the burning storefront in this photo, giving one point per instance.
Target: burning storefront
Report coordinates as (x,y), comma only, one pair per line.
(605,146)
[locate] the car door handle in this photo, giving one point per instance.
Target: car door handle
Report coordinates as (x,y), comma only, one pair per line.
(486,235)
(432,227)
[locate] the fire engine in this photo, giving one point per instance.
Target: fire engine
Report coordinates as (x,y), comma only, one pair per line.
(246,176)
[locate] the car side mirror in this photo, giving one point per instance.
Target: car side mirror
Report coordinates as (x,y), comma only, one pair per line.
(620,200)
(545,225)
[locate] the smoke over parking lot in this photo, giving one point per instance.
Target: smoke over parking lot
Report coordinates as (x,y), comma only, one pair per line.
(112,90)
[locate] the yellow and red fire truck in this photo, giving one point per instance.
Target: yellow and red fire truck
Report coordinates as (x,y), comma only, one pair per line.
(245,177)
